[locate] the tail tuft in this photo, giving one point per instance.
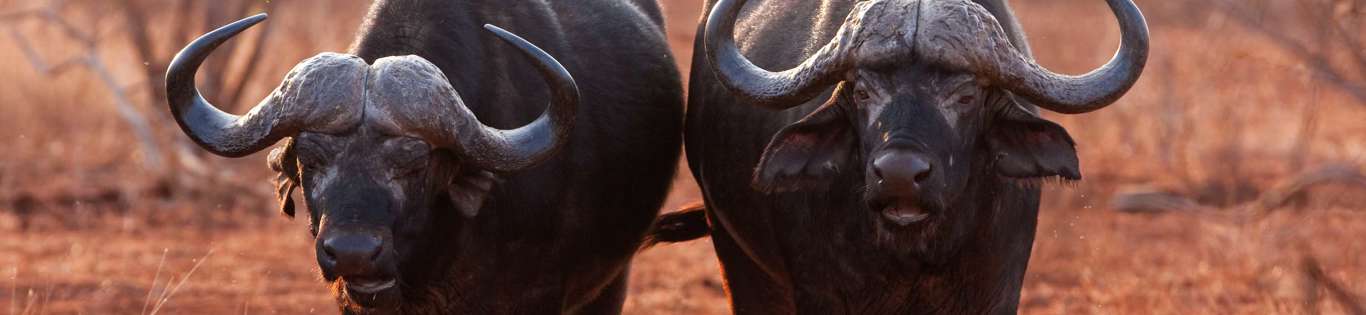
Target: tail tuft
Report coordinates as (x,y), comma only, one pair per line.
(686,224)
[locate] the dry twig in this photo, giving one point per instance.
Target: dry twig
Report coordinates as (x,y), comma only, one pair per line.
(1317,60)
(1319,280)
(1153,200)
(181,163)
(91,60)
(167,294)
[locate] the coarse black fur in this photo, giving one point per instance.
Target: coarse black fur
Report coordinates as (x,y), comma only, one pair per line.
(788,250)
(556,238)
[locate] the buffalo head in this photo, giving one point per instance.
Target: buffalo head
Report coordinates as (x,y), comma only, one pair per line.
(925,103)
(376,147)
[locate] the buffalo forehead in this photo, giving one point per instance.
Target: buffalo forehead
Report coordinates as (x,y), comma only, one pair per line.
(964,36)
(329,88)
(397,96)
(949,33)
(408,94)
(884,31)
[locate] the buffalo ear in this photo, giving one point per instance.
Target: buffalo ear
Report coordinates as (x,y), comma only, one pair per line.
(1027,146)
(470,189)
(806,154)
(284,190)
(282,161)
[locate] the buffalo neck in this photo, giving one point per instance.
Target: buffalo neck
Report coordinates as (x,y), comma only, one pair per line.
(986,274)
(982,275)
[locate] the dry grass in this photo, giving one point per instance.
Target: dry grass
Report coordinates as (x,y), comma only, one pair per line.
(86,229)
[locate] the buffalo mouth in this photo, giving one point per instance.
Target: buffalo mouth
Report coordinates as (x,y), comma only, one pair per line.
(902,212)
(371,292)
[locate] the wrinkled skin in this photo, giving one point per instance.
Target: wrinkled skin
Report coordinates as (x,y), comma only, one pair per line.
(943,119)
(912,189)
(354,180)
(406,226)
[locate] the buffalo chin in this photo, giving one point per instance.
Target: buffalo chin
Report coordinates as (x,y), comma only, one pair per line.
(922,235)
(368,296)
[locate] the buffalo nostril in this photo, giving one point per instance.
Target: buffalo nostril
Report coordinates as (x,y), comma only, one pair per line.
(923,174)
(902,169)
(352,252)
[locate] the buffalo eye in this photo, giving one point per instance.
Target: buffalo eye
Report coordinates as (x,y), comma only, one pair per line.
(966,99)
(408,155)
(966,92)
(860,94)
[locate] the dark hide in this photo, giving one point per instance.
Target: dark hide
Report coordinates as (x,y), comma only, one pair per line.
(556,238)
(793,201)
(805,154)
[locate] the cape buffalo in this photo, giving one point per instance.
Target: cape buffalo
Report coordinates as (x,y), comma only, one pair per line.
(913,187)
(437,179)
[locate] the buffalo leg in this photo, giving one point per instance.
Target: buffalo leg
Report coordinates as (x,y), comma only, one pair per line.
(749,288)
(609,301)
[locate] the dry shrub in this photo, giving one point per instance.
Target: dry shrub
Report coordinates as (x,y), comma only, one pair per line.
(73,149)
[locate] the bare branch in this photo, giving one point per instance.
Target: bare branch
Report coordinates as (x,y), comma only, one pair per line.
(141,128)
(258,47)
(151,152)
(240,10)
(1330,25)
(1317,61)
(36,60)
(1314,271)
(1353,43)
(132,87)
(215,68)
(1309,125)
(136,23)
(181,30)
(1152,200)
(50,14)
(16,15)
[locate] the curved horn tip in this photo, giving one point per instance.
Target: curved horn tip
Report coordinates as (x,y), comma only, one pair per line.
(204,123)
(547,62)
(761,87)
(513,150)
(208,42)
(1101,87)
(243,24)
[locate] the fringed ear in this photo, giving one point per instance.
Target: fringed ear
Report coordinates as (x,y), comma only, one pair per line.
(470,189)
(286,167)
(1027,146)
(284,191)
(806,154)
